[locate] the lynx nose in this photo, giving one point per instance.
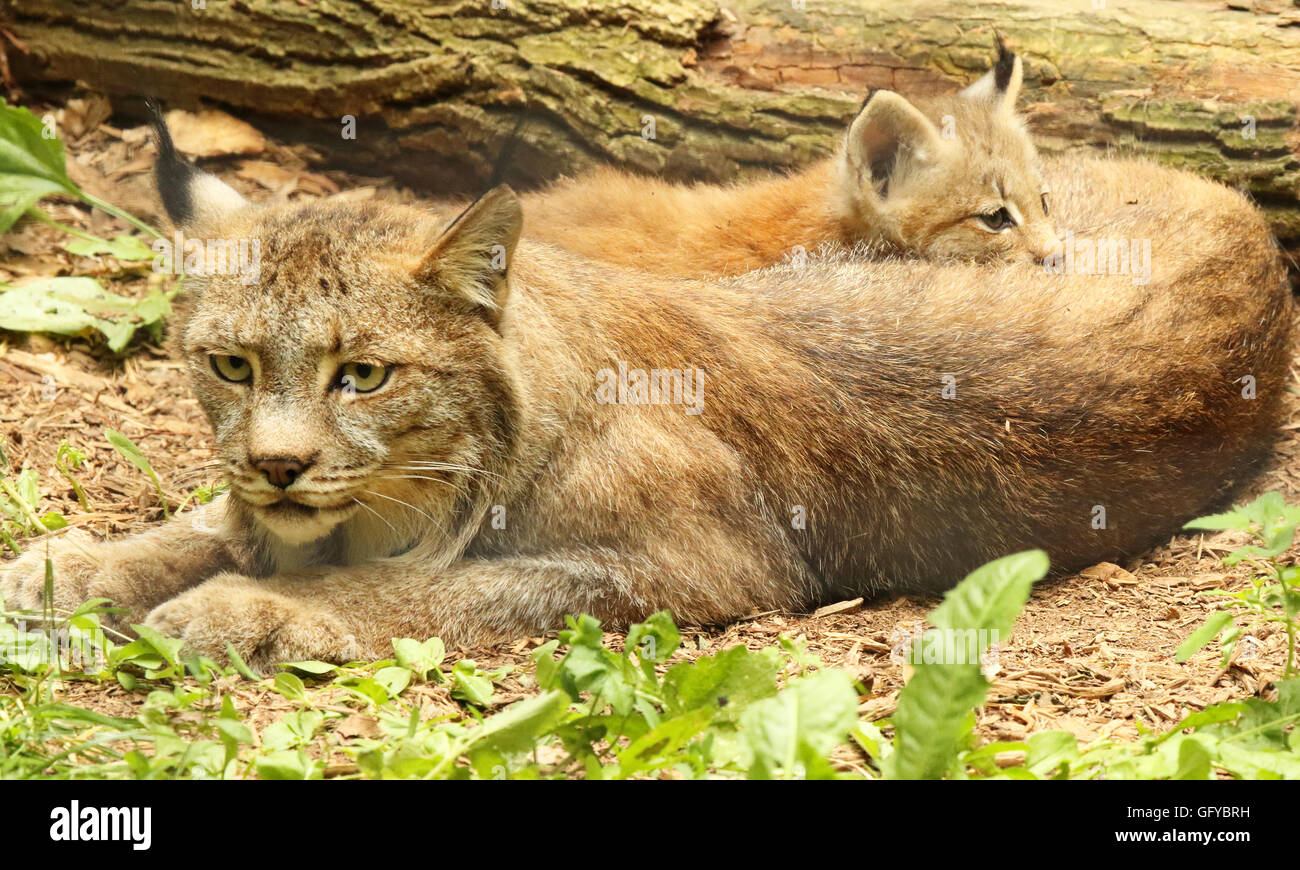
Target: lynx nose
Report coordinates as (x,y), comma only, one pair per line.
(281,471)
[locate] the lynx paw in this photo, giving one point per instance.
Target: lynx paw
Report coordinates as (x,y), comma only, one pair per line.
(265,627)
(22,582)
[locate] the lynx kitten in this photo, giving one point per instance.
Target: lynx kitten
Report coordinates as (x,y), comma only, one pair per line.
(958,178)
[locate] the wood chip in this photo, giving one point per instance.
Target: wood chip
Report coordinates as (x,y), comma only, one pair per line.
(850,606)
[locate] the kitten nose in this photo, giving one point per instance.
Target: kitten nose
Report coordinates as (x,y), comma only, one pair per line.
(281,471)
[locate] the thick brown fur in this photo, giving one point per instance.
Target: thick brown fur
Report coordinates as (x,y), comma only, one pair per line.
(494,493)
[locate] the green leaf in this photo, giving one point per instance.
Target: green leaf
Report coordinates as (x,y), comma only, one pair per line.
(470,684)
(993,595)
(659,747)
(316,669)
(395,680)
(78,306)
(934,715)
(237,661)
(421,658)
(654,640)
(31,165)
(133,454)
(516,728)
(1050,750)
(1269,518)
(235,730)
(290,686)
(1193,761)
(53,520)
(1215,715)
(168,648)
(792,734)
(287,764)
(26,150)
(123,247)
(1203,635)
(727,681)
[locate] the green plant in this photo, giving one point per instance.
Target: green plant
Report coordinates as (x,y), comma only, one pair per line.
(596,711)
(32,168)
(77,305)
(935,715)
(20,514)
(1274,591)
(67,460)
(134,455)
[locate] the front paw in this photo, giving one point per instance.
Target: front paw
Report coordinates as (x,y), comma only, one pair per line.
(265,627)
(22,582)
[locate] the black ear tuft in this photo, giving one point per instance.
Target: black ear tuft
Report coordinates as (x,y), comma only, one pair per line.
(1005,66)
(507,154)
(174,176)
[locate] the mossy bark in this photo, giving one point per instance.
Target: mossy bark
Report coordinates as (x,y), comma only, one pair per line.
(692,89)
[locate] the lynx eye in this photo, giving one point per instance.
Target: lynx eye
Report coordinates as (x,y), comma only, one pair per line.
(1045,205)
(997,221)
(363,377)
(235,369)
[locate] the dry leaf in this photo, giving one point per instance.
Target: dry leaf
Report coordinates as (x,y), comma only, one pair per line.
(82,116)
(213,134)
(269,175)
(1111,574)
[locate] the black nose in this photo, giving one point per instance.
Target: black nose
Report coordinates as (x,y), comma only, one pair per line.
(281,471)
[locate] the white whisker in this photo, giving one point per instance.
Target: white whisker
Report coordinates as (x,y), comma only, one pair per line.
(377,514)
(403,503)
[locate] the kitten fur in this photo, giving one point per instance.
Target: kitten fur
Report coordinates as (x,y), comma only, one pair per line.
(905,180)
(483,492)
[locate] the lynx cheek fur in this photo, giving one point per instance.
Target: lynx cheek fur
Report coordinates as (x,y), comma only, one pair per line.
(420,439)
(958,178)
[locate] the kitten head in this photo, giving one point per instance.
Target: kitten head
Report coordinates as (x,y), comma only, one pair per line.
(360,379)
(960,180)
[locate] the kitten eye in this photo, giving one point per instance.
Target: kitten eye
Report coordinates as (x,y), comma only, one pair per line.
(363,377)
(235,369)
(997,221)
(1044,205)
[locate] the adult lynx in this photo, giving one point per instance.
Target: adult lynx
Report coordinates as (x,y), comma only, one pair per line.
(420,440)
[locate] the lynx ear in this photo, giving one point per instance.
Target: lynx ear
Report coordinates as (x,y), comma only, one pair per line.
(472,256)
(888,136)
(1000,85)
(191,196)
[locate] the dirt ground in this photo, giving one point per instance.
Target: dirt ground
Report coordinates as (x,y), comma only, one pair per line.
(1093,653)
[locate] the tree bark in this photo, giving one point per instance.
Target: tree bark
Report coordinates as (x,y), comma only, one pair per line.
(691,89)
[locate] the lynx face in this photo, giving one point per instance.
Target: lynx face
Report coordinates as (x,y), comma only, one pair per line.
(358,379)
(351,378)
(961,181)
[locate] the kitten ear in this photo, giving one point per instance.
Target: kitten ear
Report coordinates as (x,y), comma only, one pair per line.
(191,196)
(472,256)
(888,134)
(1000,85)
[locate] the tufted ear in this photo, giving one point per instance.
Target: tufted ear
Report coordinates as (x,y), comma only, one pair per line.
(1000,86)
(471,258)
(887,137)
(191,196)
